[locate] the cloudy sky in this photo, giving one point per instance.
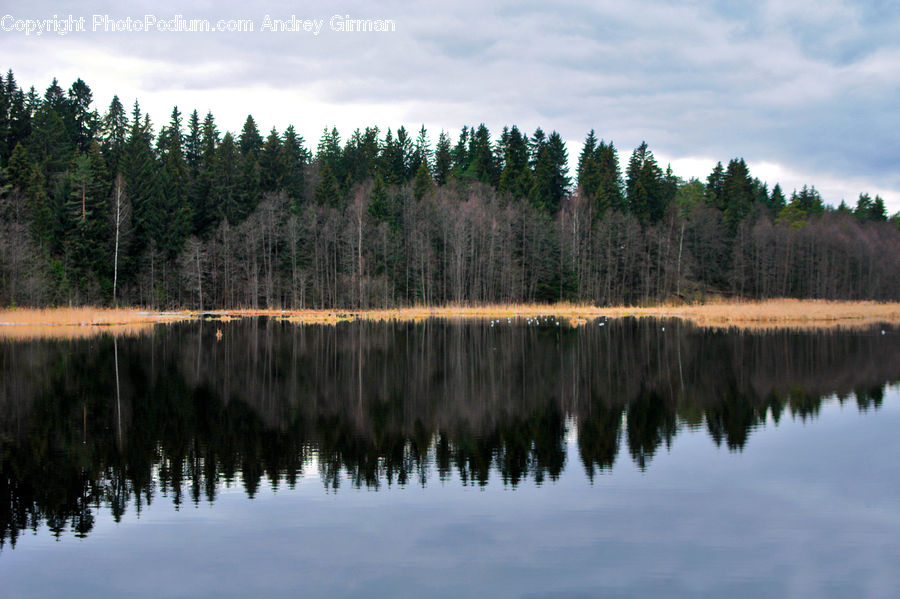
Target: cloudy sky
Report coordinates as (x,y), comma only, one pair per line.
(806,91)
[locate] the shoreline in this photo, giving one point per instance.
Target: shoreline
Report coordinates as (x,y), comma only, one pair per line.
(26,323)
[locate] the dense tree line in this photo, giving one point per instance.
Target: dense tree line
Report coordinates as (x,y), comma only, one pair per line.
(101,208)
(177,413)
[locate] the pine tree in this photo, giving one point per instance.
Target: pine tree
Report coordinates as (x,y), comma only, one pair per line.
(329,151)
(559,159)
(26,175)
(715,192)
(193,145)
(19,114)
(327,189)
(879,212)
(85,219)
(421,152)
(737,193)
(55,99)
(271,164)
(443,159)
(48,145)
(174,178)
(204,199)
(808,200)
(141,177)
(391,164)
(609,194)
(379,208)
(461,153)
(515,179)
(114,135)
(644,186)
(482,162)
(295,159)
(776,200)
(249,185)
(588,175)
(250,140)
(226,180)
(83,119)
(422,182)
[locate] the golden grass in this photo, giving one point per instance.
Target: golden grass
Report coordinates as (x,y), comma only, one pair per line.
(769,314)
(76,323)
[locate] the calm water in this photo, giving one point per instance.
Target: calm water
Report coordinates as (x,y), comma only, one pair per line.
(451,460)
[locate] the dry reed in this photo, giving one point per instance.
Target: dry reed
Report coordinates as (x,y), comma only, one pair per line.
(769,314)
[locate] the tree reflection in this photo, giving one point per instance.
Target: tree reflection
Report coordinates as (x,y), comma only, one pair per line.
(119,423)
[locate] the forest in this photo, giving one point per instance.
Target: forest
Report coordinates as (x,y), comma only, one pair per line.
(102,209)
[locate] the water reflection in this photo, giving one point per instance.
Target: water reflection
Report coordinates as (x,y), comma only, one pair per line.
(115,424)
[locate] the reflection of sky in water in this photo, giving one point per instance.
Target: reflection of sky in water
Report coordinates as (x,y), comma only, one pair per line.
(807,509)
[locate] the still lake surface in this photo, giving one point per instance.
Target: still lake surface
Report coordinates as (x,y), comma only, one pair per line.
(448,459)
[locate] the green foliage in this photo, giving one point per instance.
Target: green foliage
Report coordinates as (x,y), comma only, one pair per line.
(737,193)
(294,158)
(60,160)
(516,176)
(868,209)
(776,200)
(809,201)
(327,188)
(550,180)
(792,215)
(443,159)
(423,182)
(645,186)
(379,207)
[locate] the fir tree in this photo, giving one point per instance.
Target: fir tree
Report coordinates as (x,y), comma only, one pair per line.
(422,182)
(443,159)
(327,189)
(271,165)
(644,186)
(295,160)
(114,135)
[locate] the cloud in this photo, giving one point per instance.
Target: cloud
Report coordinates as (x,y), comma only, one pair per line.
(808,85)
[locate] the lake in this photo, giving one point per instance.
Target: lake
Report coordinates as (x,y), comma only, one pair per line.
(619,458)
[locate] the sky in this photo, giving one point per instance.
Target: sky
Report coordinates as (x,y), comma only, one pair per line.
(807,92)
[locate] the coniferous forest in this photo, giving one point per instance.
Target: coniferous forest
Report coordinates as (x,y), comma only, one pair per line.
(103,207)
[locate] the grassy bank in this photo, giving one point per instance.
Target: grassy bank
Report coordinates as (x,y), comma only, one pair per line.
(25,323)
(73,323)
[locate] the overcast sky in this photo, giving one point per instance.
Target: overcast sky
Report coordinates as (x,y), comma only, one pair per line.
(806,91)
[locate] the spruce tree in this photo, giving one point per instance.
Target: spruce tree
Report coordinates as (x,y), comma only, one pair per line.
(327,189)
(83,119)
(203,200)
(515,179)
(422,182)
(737,193)
(114,136)
(142,180)
(645,186)
(226,180)
(174,178)
(609,194)
(443,159)
(715,193)
(295,159)
(588,174)
(250,140)
(776,200)
(271,163)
